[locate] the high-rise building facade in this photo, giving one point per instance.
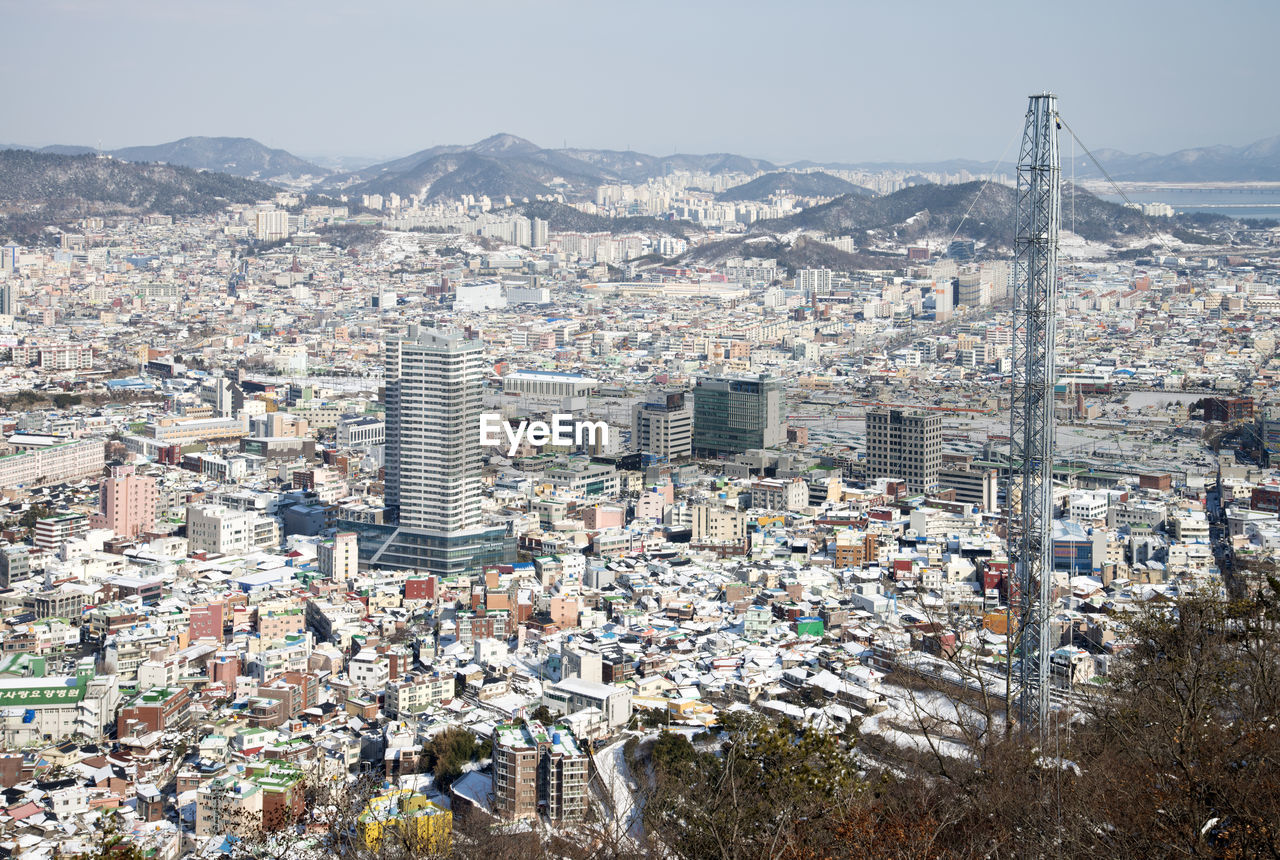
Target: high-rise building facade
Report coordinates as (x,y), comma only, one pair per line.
(663,426)
(905,444)
(272,225)
(814,283)
(434,388)
(128,502)
(338,557)
(971,290)
(943,302)
(521,232)
(225,531)
(538,767)
(15,564)
(972,485)
(961,250)
(54,464)
(732,414)
(52,532)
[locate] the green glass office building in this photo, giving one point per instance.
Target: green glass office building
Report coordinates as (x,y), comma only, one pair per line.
(732,414)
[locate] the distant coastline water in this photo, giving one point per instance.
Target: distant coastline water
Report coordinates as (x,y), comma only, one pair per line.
(1242,203)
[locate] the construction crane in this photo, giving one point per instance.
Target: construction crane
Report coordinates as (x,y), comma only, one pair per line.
(1031,423)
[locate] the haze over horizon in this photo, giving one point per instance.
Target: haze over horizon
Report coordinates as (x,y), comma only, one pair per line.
(828,82)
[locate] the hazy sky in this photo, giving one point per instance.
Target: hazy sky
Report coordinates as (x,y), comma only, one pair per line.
(853,81)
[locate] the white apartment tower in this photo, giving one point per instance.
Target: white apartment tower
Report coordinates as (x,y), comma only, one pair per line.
(814,282)
(521,233)
(272,225)
(434,382)
(433,396)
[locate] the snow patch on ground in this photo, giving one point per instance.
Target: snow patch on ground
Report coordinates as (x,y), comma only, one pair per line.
(611,766)
(1157,239)
(1074,247)
(909,708)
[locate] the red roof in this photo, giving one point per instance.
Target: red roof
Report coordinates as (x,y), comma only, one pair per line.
(25,810)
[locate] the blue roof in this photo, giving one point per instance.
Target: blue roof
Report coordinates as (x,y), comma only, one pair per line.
(1067,530)
(132,382)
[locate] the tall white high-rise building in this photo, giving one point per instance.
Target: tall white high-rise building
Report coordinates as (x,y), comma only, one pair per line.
(272,225)
(521,232)
(434,383)
(943,301)
(814,282)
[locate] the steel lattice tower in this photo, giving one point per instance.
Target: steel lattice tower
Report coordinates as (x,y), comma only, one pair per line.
(1029,497)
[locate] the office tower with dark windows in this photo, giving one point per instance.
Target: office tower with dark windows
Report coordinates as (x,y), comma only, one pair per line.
(732,414)
(905,444)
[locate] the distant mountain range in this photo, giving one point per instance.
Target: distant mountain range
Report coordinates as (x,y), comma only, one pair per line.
(506,165)
(40,188)
(1256,162)
(952,165)
(498,166)
(202,174)
(238,156)
(630,166)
